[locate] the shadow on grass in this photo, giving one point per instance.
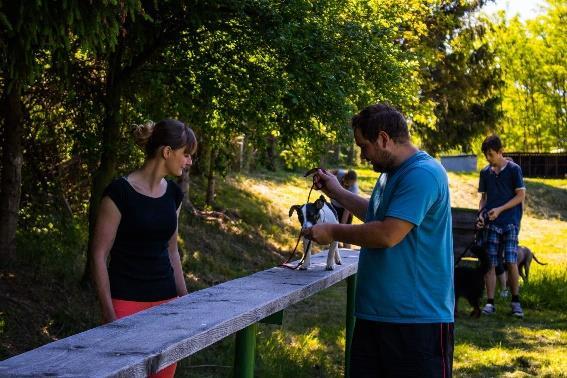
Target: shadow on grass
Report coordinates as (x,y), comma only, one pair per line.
(498,370)
(509,333)
(546,201)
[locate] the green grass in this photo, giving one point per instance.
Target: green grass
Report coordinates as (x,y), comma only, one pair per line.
(256,233)
(311,341)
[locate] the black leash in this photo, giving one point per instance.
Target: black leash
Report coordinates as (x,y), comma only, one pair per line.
(471,244)
(284,264)
(475,242)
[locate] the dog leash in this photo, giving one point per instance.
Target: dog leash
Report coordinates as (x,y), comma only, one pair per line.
(484,214)
(284,264)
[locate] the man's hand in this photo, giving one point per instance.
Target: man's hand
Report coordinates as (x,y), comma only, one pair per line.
(327,183)
(494,213)
(320,233)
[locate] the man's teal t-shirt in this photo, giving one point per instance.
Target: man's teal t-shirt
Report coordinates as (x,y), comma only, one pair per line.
(411,282)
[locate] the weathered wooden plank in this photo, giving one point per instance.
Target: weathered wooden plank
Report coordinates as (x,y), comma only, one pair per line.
(152,339)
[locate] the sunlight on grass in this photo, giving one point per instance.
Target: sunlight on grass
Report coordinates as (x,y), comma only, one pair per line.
(311,342)
(502,361)
(285,355)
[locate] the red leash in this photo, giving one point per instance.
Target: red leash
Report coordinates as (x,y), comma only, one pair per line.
(284,264)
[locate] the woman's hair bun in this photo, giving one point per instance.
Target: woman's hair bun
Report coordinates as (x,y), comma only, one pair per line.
(143,133)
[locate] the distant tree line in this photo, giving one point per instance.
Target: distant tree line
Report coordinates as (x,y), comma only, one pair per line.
(533,61)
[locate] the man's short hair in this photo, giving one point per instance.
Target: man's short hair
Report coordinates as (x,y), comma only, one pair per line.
(381,117)
(493,143)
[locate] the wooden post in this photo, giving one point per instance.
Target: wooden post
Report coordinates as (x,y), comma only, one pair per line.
(351,289)
(244,358)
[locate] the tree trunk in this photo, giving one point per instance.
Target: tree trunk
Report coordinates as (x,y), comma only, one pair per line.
(337,156)
(109,150)
(184,182)
(11,177)
(211,177)
(271,153)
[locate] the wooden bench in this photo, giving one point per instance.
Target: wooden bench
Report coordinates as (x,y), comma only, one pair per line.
(463,229)
(153,339)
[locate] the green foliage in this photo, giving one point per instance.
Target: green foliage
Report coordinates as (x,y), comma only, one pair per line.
(460,80)
(532,58)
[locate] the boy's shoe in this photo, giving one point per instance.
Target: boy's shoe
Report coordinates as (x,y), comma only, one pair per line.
(489,309)
(517,310)
(504,293)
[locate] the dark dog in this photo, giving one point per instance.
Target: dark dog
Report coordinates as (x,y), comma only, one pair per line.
(525,257)
(469,280)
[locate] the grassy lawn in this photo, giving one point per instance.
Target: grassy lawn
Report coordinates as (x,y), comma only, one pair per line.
(311,341)
(250,231)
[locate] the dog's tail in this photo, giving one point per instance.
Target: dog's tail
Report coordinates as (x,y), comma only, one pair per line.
(537,261)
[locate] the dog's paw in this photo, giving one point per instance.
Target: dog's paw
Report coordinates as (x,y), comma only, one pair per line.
(330,267)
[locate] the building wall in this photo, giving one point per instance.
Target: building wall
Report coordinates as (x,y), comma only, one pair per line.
(459,163)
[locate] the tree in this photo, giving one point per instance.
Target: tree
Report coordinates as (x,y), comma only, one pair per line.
(532,58)
(458,75)
(36,33)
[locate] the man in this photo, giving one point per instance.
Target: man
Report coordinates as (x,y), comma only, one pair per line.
(404,297)
(348,180)
(503,191)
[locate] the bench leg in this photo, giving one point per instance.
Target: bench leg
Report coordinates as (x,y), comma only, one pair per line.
(244,358)
(351,289)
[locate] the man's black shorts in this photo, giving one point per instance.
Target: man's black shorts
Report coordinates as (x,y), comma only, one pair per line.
(401,350)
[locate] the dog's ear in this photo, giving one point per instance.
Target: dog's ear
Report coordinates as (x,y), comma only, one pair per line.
(320,203)
(294,207)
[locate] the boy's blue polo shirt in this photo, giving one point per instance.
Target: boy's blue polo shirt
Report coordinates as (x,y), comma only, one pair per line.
(411,282)
(501,188)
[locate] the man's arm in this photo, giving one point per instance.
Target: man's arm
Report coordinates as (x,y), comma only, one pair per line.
(482,202)
(376,234)
(329,185)
(352,202)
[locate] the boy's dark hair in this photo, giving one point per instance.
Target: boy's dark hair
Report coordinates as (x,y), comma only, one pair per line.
(381,117)
(493,143)
(350,176)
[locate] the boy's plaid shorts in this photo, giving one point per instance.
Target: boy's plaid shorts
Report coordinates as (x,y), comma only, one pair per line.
(508,237)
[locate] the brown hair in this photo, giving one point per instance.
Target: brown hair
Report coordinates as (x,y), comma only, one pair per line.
(493,143)
(381,117)
(167,132)
(350,175)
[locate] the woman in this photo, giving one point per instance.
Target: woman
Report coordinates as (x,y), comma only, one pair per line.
(137,226)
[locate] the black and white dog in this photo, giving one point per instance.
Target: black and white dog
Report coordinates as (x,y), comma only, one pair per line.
(311,214)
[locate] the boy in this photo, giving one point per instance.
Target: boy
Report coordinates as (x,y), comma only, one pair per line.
(502,187)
